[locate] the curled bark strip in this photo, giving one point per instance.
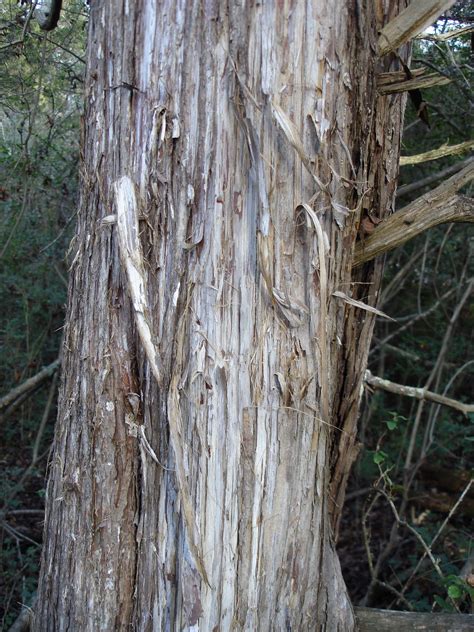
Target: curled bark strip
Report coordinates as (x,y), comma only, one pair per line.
(291,135)
(323,310)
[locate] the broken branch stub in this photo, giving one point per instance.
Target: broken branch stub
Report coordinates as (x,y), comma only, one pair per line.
(410,22)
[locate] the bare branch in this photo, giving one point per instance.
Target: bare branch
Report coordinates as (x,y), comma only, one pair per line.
(434,177)
(417,393)
(374,620)
(413,319)
(445,36)
(395,76)
(439,206)
(29,385)
(411,22)
(438,533)
(433,79)
(434,154)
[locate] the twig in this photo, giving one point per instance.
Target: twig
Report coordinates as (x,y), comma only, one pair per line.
(436,368)
(17,534)
(417,393)
(375,569)
(22,512)
(429,432)
(408,526)
(438,533)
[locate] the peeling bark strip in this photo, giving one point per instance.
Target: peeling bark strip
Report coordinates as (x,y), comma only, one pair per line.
(217,336)
(132,259)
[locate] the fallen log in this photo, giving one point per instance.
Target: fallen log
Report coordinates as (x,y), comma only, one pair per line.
(374,620)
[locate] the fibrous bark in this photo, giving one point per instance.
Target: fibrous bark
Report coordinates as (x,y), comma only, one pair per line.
(199,494)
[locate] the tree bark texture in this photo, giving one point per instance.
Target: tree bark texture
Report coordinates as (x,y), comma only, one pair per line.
(202,495)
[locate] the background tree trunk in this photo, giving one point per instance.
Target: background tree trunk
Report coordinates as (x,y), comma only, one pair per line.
(227,117)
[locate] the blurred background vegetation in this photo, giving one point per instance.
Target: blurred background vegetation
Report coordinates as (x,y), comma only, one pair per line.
(406,536)
(41,77)
(409,545)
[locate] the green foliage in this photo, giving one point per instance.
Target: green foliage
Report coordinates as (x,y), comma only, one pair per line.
(379,457)
(457,590)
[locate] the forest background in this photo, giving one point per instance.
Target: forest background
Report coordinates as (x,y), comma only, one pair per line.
(407,545)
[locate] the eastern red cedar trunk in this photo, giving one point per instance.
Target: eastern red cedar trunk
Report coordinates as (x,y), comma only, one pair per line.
(203,492)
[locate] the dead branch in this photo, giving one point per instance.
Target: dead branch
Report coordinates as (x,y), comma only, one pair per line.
(435,375)
(438,206)
(450,508)
(374,620)
(411,22)
(417,393)
(395,76)
(443,37)
(434,177)
(24,620)
(448,479)
(442,502)
(29,386)
(433,79)
(434,154)
(412,320)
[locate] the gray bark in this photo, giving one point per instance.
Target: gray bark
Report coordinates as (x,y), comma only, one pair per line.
(198,489)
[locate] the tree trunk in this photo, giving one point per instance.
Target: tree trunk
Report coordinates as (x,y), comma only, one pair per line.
(198,473)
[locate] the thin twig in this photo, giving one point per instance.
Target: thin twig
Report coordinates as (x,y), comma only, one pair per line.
(436,536)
